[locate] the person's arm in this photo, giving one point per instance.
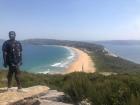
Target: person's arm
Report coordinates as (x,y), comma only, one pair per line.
(20,53)
(4,50)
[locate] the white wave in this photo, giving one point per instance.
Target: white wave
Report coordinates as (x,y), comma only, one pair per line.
(109,53)
(72,53)
(56,64)
(60,64)
(70,57)
(64,63)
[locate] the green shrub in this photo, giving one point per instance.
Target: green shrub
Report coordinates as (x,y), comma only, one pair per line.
(120,89)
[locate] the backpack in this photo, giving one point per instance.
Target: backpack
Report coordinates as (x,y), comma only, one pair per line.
(13,49)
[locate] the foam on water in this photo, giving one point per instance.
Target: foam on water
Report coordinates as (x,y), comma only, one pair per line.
(129,52)
(56,64)
(65,63)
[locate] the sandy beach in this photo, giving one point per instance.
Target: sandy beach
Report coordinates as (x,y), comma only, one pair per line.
(82,62)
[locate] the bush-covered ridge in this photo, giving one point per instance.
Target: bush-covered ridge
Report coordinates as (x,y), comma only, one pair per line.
(120,89)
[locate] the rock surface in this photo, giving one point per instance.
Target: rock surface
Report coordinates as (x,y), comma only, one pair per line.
(52,97)
(36,95)
(9,97)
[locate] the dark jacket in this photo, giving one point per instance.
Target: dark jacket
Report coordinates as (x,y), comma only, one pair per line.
(12,52)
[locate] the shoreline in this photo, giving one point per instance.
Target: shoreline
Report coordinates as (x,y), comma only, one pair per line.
(110,53)
(81,63)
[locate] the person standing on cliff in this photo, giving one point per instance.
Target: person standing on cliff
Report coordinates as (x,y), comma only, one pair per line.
(12,57)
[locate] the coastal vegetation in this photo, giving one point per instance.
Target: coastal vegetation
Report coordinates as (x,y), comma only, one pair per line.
(120,89)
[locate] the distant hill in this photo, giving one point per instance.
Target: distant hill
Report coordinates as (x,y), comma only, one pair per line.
(60,42)
(43,41)
(120,42)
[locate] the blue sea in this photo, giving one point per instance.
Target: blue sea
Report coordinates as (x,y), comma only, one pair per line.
(45,58)
(129,52)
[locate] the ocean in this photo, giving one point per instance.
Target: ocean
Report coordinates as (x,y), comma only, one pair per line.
(45,58)
(130,52)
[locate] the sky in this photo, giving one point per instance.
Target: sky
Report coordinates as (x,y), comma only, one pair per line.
(71,19)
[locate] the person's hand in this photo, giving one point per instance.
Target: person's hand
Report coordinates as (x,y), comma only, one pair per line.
(5,65)
(20,64)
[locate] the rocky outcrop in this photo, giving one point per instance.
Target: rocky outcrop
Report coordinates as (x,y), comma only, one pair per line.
(12,96)
(52,97)
(37,95)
